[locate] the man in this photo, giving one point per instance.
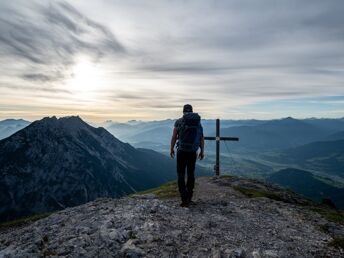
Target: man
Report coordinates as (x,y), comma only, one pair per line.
(189,132)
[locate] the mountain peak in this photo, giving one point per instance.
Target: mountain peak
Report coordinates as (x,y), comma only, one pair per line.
(69,123)
(289,118)
(55,163)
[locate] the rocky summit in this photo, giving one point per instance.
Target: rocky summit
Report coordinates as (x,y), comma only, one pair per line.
(231,217)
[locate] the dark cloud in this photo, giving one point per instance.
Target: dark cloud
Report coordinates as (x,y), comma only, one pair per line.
(37,88)
(48,36)
(39,77)
(229,36)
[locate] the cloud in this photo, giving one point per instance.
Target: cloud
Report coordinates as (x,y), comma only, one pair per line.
(151,57)
(48,37)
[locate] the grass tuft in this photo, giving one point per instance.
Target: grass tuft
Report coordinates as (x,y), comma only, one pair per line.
(164,191)
(330,214)
(227,176)
(23,221)
(251,193)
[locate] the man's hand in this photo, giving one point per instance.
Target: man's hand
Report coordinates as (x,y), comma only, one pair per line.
(201,155)
(172,153)
(173,141)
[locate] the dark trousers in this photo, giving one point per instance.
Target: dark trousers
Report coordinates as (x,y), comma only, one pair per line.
(186,160)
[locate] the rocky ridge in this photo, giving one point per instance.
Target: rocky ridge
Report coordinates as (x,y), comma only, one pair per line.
(223,222)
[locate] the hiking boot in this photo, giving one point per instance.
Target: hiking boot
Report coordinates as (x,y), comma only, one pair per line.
(184,204)
(189,199)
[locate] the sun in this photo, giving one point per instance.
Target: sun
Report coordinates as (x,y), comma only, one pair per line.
(85,79)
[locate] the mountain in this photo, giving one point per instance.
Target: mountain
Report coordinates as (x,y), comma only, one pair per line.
(275,134)
(331,124)
(121,130)
(325,156)
(231,217)
(160,134)
(256,135)
(305,183)
(140,131)
(10,126)
(336,136)
(56,163)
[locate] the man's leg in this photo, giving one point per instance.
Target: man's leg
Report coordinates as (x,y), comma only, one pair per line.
(191,163)
(181,166)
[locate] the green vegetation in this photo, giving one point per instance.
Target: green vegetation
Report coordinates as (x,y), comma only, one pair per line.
(251,193)
(164,191)
(227,176)
(330,214)
(337,242)
(23,221)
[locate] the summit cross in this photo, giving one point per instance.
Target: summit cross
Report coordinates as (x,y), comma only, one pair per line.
(217,138)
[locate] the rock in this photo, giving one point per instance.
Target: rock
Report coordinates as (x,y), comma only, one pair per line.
(270,254)
(256,254)
(238,253)
(127,227)
(129,250)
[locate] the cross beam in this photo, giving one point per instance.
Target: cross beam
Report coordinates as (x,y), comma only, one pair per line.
(217,138)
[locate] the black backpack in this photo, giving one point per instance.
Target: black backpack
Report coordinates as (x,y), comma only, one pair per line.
(189,132)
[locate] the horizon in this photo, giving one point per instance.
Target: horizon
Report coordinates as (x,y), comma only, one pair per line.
(112,60)
(99,123)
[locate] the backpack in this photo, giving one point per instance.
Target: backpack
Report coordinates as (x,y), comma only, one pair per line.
(189,132)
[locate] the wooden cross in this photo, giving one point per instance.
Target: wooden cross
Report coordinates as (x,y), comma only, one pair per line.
(217,138)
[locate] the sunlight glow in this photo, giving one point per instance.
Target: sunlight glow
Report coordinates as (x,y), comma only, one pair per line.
(86,79)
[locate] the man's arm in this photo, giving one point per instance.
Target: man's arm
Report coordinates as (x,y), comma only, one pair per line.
(173,141)
(201,153)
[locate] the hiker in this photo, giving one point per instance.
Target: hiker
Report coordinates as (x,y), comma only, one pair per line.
(189,132)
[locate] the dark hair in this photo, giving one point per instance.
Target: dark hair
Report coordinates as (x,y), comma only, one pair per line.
(187,108)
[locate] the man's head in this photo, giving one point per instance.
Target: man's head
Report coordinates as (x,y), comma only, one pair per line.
(187,108)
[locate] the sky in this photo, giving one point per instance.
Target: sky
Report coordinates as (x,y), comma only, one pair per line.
(124,60)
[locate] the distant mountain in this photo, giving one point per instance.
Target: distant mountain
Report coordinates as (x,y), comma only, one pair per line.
(10,126)
(305,183)
(160,134)
(255,134)
(121,130)
(55,163)
(330,124)
(326,157)
(134,131)
(336,136)
(275,134)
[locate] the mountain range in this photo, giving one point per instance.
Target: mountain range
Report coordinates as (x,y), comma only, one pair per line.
(305,183)
(265,146)
(56,163)
(326,157)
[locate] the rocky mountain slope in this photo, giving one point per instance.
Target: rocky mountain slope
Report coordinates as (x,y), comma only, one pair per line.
(231,217)
(57,163)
